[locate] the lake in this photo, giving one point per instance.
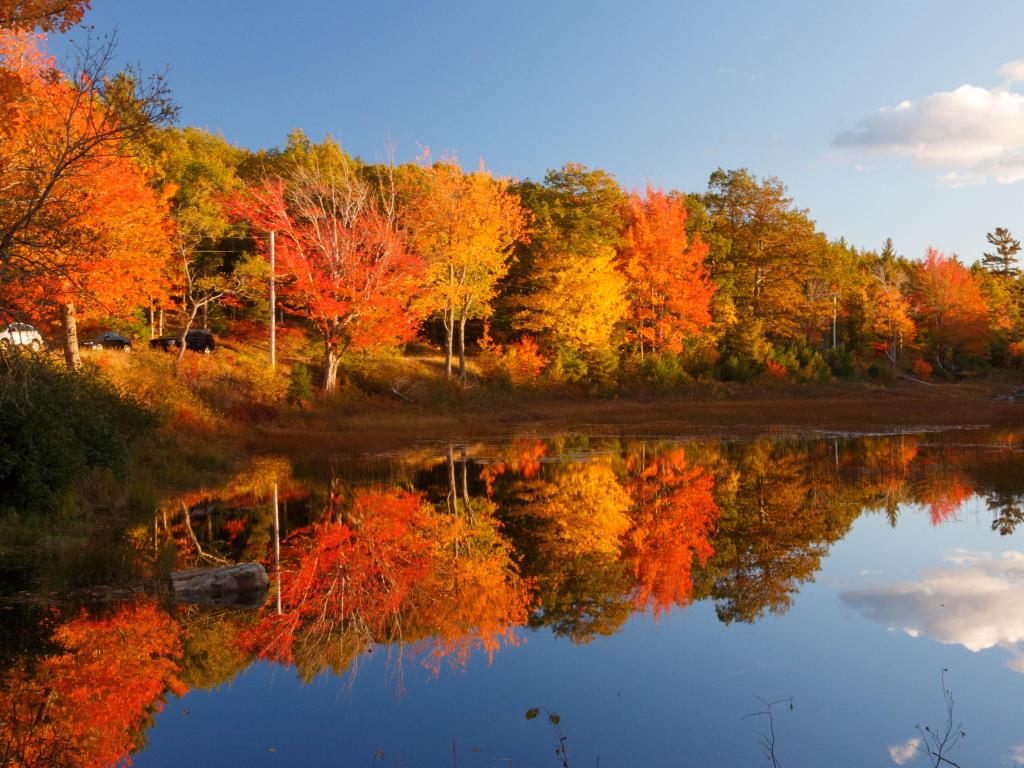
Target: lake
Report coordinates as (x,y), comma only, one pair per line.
(645,600)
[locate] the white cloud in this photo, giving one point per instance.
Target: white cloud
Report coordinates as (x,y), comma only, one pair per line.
(1017,755)
(977,601)
(971,133)
(1013,71)
(902,754)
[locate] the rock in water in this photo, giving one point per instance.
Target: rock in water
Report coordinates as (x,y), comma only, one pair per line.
(245,585)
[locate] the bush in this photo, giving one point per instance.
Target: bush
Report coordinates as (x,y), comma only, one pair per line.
(841,362)
(922,369)
(56,426)
(735,368)
(300,385)
(569,366)
(799,362)
(517,364)
(665,370)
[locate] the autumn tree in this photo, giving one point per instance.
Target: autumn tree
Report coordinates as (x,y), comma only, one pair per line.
(675,515)
(890,309)
(773,249)
(42,15)
(202,169)
(88,703)
(346,580)
(66,137)
(107,261)
(565,283)
(464,225)
(345,265)
(952,311)
(669,288)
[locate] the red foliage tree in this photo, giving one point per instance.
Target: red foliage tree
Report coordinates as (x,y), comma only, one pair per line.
(344,581)
(346,267)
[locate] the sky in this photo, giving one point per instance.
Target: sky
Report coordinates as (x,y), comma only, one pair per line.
(884,118)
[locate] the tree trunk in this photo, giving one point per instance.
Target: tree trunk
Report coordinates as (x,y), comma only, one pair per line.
(152,320)
(453,504)
(70,341)
(206,315)
(462,349)
(449,333)
(160,329)
(331,362)
(245,584)
(182,345)
(465,487)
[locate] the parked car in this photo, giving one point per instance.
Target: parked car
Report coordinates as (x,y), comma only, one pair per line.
(109,340)
(21,335)
(197,340)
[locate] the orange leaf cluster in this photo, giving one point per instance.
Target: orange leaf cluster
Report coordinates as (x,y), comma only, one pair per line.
(86,704)
(669,286)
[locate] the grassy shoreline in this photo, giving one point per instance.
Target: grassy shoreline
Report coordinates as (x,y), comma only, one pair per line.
(721,411)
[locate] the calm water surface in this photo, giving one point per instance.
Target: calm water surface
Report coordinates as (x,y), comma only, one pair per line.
(652,593)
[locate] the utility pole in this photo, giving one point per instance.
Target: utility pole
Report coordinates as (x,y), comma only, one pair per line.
(277,549)
(273,308)
(835,314)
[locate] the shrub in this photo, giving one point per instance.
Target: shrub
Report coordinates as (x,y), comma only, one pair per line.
(567,366)
(665,370)
(517,364)
(776,370)
(300,385)
(922,369)
(841,362)
(56,426)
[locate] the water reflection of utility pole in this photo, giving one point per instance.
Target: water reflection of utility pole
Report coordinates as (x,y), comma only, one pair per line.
(277,550)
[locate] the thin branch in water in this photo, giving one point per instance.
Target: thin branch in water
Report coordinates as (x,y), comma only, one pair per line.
(768,739)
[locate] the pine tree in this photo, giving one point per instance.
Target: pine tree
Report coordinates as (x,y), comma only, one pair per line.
(1004,261)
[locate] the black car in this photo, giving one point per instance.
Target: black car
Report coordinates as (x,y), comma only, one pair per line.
(197,340)
(109,340)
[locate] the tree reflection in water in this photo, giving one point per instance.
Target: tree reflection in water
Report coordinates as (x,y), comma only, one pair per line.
(442,555)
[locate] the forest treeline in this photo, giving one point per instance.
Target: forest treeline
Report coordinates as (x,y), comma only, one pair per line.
(110,216)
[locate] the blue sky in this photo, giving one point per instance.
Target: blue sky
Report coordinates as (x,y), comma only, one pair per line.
(659,91)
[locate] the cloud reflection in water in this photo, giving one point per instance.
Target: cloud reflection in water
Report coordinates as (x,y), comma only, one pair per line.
(976,600)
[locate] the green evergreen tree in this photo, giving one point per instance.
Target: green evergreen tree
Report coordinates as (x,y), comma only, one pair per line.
(1004,261)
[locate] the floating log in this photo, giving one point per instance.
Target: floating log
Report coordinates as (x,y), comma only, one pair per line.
(243,585)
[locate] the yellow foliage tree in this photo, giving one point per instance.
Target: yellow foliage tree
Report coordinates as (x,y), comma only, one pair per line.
(464,225)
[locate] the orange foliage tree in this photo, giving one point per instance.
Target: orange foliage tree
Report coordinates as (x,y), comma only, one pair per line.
(44,15)
(953,312)
(674,518)
(74,205)
(116,261)
(87,704)
(669,286)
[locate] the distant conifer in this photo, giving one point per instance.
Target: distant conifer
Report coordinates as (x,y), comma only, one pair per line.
(1004,261)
